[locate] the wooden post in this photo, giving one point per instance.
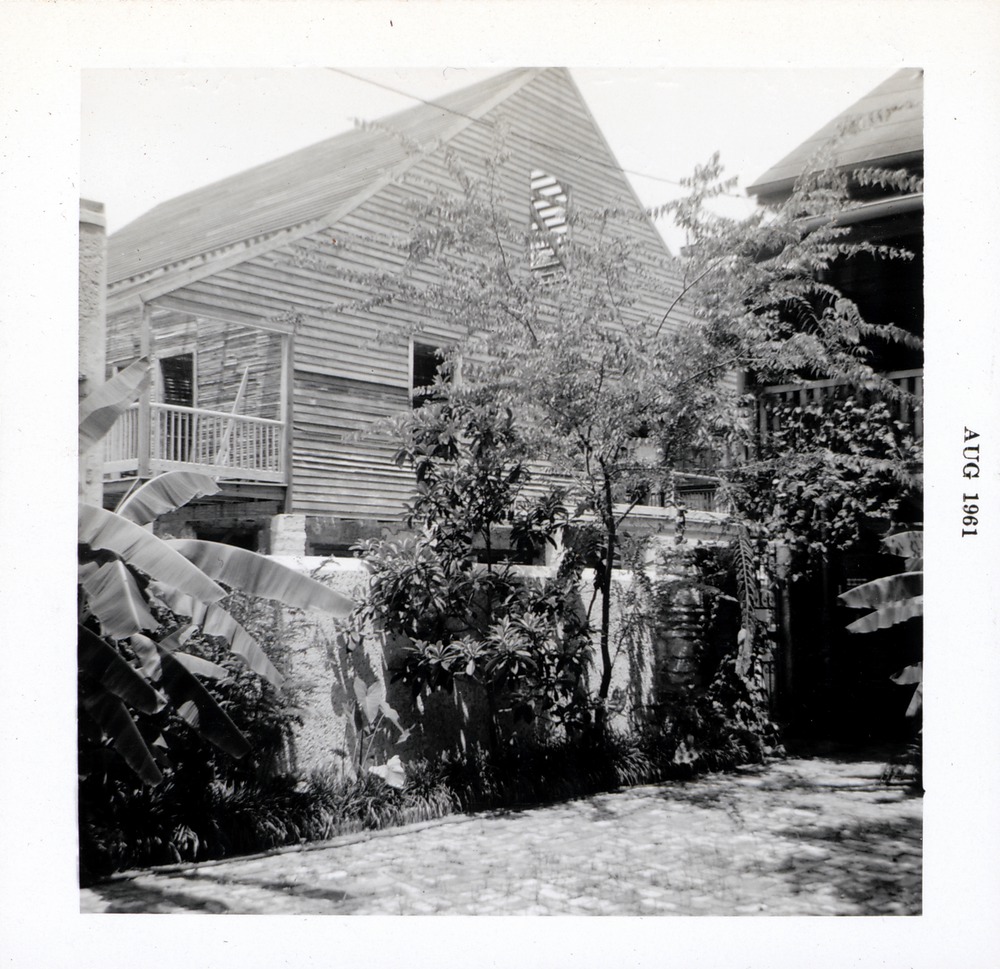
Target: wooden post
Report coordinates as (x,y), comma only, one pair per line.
(145,412)
(287,398)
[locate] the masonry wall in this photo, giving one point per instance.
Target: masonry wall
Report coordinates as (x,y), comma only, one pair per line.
(92,287)
(649,667)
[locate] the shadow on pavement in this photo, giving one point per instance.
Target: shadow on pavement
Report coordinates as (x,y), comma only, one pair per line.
(874,865)
(130,898)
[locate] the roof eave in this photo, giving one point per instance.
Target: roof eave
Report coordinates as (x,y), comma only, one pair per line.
(776,188)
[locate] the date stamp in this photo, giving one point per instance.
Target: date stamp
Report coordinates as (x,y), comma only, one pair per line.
(970,470)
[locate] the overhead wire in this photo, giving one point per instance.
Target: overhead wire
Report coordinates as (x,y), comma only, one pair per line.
(489,124)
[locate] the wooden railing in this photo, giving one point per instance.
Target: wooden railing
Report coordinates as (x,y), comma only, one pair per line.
(220,444)
(121,446)
(910,381)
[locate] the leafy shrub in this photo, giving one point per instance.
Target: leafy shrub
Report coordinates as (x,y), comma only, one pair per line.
(828,469)
(467,615)
(208,803)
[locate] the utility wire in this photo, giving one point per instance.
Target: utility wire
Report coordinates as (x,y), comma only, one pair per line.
(489,124)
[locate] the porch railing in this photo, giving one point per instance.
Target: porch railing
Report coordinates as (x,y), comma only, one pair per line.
(813,391)
(221,444)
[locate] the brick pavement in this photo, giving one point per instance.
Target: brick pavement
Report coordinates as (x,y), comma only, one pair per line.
(799,837)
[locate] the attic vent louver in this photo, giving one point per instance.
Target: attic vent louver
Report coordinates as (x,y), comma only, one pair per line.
(549,224)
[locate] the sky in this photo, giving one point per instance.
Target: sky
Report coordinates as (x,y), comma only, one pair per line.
(150,135)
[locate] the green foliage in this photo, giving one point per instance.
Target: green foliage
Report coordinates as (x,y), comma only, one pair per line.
(141,599)
(372,717)
(831,470)
(192,812)
(721,727)
(757,283)
(537,770)
(522,644)
(617,353)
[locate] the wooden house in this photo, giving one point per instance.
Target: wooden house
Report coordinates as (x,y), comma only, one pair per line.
(824,672)
(884,129)
(270,368)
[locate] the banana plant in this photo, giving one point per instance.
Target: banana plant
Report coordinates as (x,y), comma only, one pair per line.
(131,659)
(894,599)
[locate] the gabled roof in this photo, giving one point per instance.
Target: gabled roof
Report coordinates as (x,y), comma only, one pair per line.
(298,189)
(895,138)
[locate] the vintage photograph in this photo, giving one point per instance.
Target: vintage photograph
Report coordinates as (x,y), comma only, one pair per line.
(501,491)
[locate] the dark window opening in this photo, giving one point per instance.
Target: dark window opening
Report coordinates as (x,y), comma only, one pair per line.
(177,389)
(177,380)
(426,365)
(503,551)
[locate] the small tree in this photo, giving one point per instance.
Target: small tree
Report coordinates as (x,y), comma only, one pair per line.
(591,376)
(597,360)
(467,616)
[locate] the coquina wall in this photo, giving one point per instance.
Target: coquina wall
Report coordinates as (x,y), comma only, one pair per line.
(651,663)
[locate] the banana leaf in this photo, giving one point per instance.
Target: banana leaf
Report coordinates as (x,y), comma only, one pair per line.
(110,714)
(907,545)
(115,599)
(258,575)
(201,667)
(165,493)
(102,663)
(102,529)
(191,700)
(100,409)
(909,675)
(888,615)
(888,588)
(214,620)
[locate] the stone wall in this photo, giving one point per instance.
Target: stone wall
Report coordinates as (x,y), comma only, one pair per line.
(651,662)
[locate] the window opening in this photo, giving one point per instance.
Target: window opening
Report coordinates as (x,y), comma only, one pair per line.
(549,222)
(425,364)
(177,380)
(177,388)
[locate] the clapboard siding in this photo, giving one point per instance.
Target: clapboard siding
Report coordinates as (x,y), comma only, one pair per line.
(342,461)
(352,359)
(223,352)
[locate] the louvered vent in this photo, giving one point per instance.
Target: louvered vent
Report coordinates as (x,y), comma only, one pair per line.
(549,223)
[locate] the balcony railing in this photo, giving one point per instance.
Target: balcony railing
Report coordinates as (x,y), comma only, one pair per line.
(190,438)
(814,391)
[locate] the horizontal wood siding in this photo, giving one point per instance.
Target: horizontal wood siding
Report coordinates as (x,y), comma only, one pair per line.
(223,352)
(351,365)
(343,465)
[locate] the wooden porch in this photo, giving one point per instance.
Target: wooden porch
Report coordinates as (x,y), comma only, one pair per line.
(909,410)
(226,446)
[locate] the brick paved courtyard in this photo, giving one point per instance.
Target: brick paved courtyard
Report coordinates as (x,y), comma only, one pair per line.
(799,837)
